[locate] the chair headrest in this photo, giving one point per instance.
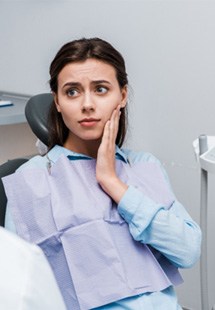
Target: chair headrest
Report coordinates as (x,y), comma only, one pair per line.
(36,112)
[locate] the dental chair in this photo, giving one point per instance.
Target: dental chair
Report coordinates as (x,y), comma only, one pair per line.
(5,169)
(36,112)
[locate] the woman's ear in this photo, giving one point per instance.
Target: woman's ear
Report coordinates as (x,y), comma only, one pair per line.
(124,93)
(56,102)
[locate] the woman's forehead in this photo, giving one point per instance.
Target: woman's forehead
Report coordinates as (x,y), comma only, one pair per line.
(92,69)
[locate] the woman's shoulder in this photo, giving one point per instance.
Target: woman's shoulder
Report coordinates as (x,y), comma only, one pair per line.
(140,156)
(145,157)
(37,161)
(42,161)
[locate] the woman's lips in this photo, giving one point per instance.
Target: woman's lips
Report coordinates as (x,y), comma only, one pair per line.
(89,122)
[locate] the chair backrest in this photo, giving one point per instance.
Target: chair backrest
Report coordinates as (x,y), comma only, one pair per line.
(7,168)
(36,112)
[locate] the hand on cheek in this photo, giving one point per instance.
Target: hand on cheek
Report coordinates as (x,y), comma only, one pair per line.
(105,166)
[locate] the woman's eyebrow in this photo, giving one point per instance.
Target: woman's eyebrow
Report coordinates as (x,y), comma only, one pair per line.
(74,84)
(100,82)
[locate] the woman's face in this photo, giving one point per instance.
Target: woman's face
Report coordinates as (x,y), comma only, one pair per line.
(88,92)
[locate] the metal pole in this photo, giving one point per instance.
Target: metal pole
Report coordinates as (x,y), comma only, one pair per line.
(203,224)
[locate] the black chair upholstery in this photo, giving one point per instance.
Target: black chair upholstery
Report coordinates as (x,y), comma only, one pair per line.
(7,168)
(36,112)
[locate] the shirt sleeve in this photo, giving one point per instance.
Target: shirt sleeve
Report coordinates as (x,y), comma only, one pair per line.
(170,231)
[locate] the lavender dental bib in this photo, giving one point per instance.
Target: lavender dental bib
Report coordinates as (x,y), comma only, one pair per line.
(77,225)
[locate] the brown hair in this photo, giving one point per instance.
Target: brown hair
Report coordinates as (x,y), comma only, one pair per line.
(77,51)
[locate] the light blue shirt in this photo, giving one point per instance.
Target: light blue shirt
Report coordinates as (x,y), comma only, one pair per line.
(172,231)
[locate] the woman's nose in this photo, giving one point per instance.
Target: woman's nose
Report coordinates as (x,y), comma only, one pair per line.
(88,103)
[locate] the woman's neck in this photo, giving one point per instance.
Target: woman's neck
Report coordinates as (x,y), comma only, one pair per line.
(88,148)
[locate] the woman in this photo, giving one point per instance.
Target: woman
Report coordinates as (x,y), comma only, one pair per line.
(105,217)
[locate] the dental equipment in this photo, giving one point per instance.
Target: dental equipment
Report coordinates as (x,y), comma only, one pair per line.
(204,148)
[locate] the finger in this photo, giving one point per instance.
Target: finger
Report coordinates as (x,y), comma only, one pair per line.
(106,134)
(117,118)
(114,125)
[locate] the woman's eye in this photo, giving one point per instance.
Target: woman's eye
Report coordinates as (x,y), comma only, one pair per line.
(101,90)
(72,92)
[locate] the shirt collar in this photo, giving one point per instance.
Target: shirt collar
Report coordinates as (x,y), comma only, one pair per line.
(121,155)
(58,150)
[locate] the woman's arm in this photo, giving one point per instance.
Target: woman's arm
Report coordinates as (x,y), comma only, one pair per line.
(172,232)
